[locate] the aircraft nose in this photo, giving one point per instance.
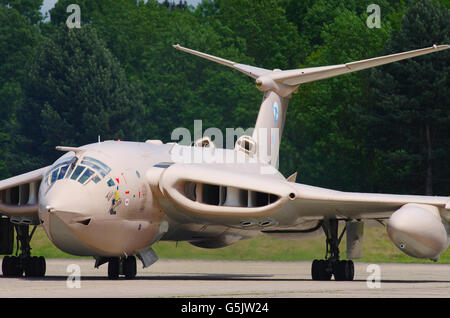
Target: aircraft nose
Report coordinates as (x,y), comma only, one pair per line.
(65,196)
(63,208)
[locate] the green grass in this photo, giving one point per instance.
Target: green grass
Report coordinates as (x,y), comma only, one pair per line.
(377,248)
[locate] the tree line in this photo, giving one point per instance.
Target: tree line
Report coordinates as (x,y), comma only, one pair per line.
(381,130)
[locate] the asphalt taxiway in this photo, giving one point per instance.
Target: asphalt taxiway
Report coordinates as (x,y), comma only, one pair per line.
(230,279)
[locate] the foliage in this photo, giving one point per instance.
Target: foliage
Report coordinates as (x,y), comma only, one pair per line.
(75,91)
(118,76)
(18,41)
(412,104)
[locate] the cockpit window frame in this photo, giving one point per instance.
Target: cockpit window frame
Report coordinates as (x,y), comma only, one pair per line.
(78,169)
(96,164)
(56,168)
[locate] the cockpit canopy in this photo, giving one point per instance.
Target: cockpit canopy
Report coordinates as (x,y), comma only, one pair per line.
(89,169)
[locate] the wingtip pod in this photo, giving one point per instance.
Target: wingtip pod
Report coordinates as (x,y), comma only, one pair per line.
(417,230)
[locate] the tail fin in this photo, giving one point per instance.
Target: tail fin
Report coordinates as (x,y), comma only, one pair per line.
(278,87)
(269,126)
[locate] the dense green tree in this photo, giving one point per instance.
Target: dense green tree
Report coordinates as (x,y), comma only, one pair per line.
(75,91)
(270,38)
(178,88)
(18,39)
(335,134)
(27,8)
(322,131)
(411,113)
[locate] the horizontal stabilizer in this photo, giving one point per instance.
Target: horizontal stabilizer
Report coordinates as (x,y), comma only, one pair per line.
(305,75)
(251,71)
(286,82)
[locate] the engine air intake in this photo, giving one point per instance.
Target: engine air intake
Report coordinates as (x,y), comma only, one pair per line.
(226,196)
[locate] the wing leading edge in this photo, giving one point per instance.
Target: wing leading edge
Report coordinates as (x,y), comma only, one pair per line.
(320,202)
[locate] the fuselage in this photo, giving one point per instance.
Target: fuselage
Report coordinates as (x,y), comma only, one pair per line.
(104,200)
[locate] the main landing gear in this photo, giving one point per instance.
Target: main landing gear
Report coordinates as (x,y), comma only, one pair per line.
(332,265)
(16,266)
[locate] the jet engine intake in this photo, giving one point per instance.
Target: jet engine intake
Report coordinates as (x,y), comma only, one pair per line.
(417,230)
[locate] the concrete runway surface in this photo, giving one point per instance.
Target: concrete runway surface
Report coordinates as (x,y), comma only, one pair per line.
(229,279)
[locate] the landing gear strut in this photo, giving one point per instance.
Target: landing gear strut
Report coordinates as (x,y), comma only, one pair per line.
(122,266)
(16,266)
(332,265)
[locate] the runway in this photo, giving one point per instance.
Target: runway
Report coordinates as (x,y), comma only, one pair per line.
(229,279)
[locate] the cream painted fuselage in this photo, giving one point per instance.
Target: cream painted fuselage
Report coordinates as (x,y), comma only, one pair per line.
(123,211)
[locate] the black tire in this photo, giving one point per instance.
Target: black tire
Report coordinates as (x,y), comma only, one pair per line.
(326,273)
(319,270)
(15,267)
(351,270)
(113,268)
(29,266)
(6,266)
(315,271)
(129,267)
(41,266)
(344,271)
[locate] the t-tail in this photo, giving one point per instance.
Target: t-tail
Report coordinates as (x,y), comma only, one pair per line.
(278,87)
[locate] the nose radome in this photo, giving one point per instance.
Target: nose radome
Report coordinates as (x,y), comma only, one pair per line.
(65,209)
(66,196)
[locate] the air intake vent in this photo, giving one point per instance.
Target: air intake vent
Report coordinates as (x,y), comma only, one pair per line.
(226,196)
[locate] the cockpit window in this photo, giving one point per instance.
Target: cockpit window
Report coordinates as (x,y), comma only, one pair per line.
(86,175)
(111,183)
(96,179)
(88,169)
(62,171)
(78,170)
(57,172)
(54,175)
(97,165)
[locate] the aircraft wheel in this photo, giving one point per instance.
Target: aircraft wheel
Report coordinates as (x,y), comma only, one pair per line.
(29,266)
(38,266)
(7,266)
(113,268)
(12,267)
(320,271)
(42,266)
(129,267)
(344,271)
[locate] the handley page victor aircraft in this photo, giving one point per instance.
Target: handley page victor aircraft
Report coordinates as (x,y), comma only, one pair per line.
(112,200)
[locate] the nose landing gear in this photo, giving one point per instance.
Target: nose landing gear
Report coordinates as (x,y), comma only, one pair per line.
(332,265)
(122,266)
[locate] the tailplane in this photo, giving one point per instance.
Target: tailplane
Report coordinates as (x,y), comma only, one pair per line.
(278,87)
